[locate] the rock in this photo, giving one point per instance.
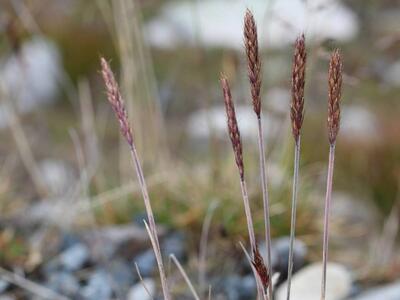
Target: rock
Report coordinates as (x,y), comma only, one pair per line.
(139,292)
(64,283)
(278,100)
(361,216)
(68,240)
(7,297)
(359,124)
(235,287)
(392,74)
(75,257)
(31,78)
(203,122)
(57,176)
(219,22)
(3,286)
(387,292)
(98,287)
(122,274)
(146,262)
(306,284)
(280,255)
(281,248)
(118,240)
(175,243)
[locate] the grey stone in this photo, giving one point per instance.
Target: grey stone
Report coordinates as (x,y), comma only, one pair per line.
(122,274)
(74,257)
(57,175)
(280,255)
(387,292)
(174,25)
(98,287)
(235,287)
(33,83)
(3,286)
(137,291)
(146,262)
(306,284)
(64,283)
(175,243)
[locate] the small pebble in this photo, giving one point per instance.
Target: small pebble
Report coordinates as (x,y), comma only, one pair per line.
(146,262)
(137,291)
(98,287)
(74,257)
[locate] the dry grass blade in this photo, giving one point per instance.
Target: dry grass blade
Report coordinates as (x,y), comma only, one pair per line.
(298,82)
(185,276)
(142,281)
(203,245)
(117,104)
(253,59)
(30,286)
(335,91)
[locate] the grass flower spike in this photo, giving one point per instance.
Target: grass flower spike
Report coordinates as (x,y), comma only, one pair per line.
(254,74)
(296,116)
(117,104)
(334,96)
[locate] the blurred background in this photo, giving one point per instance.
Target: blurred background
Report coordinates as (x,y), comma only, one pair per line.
(71,212)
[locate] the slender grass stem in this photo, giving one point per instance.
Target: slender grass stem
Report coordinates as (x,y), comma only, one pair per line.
(326,217)
(265,203)
(250,229)
(261,291)
(185,276)
(249,218)
(293,214)
(152,224)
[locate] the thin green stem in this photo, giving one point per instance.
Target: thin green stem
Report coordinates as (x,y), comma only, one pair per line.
(293,214)
(328,201)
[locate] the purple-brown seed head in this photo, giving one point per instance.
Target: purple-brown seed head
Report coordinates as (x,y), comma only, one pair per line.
(233,128)
(253,60)
(334,93)
(116,101)
(298,82)
(261,268)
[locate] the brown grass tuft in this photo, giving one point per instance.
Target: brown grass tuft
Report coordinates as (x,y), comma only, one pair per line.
(253,60)
(335,90)
(298,82)
(233,128)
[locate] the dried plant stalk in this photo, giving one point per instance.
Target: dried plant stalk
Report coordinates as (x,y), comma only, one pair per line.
(117,104)
(254,73)
(234,135)
(185,276)
(297,116)
(334,95)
